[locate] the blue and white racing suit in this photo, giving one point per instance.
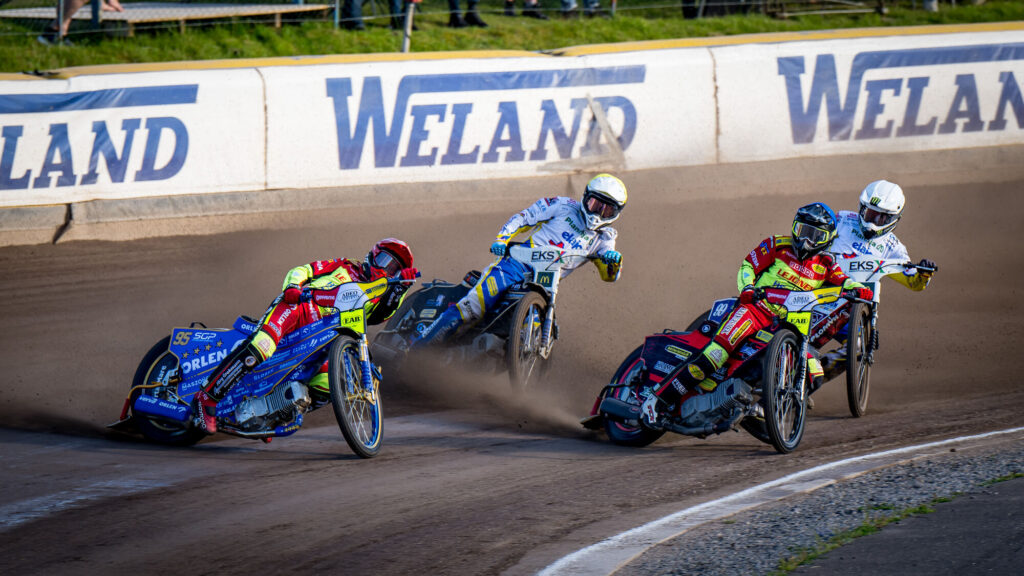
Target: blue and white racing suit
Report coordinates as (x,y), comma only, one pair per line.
(549,222)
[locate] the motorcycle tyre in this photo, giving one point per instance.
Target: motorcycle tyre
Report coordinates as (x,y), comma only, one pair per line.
(769,386)
(516,369)
(618,432)
(858,385)
(337,379)
(160,431)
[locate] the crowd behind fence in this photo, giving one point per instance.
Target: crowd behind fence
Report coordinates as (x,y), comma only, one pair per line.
(38,17)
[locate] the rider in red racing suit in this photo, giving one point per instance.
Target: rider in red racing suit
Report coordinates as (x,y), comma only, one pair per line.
(796,262)
(290,311)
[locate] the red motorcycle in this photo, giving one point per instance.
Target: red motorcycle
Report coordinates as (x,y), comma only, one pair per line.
(762,387)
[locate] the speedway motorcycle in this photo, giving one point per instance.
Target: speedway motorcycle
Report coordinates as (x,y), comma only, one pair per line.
(762,387)
(516,335)
(270,401)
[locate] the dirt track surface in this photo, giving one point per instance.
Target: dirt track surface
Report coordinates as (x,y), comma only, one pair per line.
(471,480)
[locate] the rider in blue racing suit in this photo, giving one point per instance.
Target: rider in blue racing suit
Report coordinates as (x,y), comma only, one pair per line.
(561,222)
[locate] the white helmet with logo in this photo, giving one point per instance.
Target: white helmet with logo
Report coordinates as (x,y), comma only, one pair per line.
(881,204)
(603,200)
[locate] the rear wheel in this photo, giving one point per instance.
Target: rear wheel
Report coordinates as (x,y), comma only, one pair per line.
(152,379)
(858,371)
(357,408)
(785,402)
(620,432)
(524,336)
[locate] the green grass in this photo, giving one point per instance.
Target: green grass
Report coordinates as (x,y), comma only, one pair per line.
(20,52)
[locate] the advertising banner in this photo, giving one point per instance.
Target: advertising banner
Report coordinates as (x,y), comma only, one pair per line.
(870,95)
(131,135)
(458,119)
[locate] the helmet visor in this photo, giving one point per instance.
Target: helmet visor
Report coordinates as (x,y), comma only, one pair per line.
(601,207)
(877,217)
(388,263)
(812,235)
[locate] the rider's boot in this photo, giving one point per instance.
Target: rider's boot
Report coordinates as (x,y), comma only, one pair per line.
(834,363)
(229,372)
(439,330)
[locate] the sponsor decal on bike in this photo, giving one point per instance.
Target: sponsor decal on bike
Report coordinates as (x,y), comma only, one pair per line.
(428,313)
(694,371)
(663,367)
(763,336)
(545,279)
(738,333)
(350,295)
(900,82)
(678,386)
(181,338)
(864,266)
(543,255)
(679,352)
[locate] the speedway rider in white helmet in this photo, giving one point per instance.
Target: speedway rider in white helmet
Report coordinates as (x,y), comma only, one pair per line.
(869,232)
(561,222)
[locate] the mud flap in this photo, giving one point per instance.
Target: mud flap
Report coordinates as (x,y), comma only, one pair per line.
(595,422)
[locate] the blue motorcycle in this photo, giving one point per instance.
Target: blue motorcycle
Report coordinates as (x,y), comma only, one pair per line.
(271,401)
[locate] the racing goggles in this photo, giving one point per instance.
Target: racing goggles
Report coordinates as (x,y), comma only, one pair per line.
(876,217)
(388,263)
(601,207)
(812,235)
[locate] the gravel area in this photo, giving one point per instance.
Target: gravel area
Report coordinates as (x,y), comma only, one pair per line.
(754,542)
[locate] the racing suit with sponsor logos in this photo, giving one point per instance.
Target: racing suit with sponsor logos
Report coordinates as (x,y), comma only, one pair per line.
(850,243)
(282,318)
(773,264)
(555,222)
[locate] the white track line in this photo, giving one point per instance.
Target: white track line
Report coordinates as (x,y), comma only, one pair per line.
(607,556)
(18,513)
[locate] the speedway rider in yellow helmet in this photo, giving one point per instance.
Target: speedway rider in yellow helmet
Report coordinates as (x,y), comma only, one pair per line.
(561,222)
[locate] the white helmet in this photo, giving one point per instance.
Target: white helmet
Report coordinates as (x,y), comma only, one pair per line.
(603,200)
(881,204)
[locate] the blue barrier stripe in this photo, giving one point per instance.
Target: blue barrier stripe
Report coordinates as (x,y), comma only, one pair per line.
(98,99)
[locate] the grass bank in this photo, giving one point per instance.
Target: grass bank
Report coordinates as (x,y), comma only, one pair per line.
(634,20)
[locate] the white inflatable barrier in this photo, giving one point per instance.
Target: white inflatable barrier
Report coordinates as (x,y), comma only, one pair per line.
(649,105)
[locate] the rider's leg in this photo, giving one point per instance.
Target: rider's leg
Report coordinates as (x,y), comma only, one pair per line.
(494,282)
(280,319)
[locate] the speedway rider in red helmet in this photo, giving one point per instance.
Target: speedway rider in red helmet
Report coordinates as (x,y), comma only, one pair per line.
(796,262)
(869,232)
(389,258)
(561,222)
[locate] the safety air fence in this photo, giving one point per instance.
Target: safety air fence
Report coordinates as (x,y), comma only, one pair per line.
(198,128)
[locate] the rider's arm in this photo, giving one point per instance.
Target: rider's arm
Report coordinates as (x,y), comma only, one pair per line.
(916,281)
(301,274)
(757,261)
(540,211)
(609,271)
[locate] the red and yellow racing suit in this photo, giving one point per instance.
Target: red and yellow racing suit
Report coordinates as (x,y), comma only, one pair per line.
(773,264)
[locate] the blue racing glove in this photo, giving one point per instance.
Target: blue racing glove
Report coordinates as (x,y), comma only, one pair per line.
(499,248)
(611,257)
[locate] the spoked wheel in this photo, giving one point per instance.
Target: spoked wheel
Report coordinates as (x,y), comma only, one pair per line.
(858,371)
(357,408)
(152,379)
(524,338)
(620,432)
(785,404)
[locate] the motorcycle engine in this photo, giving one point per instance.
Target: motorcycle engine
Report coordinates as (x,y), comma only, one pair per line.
(279,407)
(717,404)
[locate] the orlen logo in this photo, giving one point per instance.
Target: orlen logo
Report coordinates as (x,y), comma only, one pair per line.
(452,117)
(894,102)
(64,165)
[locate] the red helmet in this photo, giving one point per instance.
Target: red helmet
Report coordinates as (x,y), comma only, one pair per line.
(387,258)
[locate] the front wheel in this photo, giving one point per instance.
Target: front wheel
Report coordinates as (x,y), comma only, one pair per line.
(620,432)
(151,379)
(524,339)
(357,409)
(784,400)
(858,371)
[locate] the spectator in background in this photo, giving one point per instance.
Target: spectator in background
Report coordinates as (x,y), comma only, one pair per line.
(52,34)
(530,9)
(398,9)
(455,19)
(352,15)
(591,8)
